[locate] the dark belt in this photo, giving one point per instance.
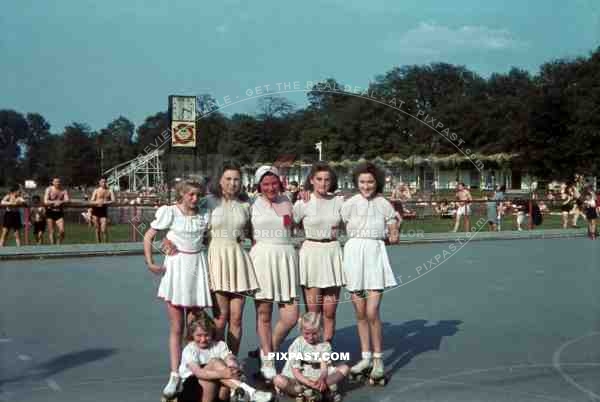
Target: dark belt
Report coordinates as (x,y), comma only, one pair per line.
(322,240)
(315,365)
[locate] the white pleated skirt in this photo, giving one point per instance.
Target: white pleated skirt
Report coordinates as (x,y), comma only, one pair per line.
(185,282)
(321,264)
(276,267)
(230,267)
(367,266)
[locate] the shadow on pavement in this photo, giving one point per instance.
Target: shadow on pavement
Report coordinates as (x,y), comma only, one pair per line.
(60,363)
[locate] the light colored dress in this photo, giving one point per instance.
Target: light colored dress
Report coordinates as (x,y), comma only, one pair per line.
(230,266)
(310,367)
(274,257)
(320,262)
(193,354)
(185,282)
(366,263)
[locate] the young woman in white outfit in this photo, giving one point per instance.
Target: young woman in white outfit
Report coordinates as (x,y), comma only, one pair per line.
(369,219)
(184,283)
(232,274)
(321,271)
(275,263)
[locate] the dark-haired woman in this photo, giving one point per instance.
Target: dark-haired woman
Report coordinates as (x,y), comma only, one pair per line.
(369,219)
(321,271)
(232,274)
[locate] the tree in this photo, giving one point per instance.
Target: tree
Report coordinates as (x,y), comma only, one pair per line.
(115,143)
(36,164)
(13,134)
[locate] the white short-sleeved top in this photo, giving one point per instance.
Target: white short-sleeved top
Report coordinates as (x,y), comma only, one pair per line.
(300,346)
(193,354)
(368,218)
(319,216)
(269,221)
(186,232)
(228,218)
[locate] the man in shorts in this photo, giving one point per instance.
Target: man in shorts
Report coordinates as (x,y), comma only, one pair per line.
(463,201)
(101,198)
(54,198)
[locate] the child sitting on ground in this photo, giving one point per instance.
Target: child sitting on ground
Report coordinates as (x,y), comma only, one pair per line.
(317,374)
(207,364)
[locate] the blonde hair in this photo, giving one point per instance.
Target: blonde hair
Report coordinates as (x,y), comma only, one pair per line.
(310,320)
(186,185)
(200,320)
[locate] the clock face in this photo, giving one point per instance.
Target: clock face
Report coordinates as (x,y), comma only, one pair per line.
(183,108)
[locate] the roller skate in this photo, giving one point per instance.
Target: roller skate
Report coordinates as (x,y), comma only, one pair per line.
(377,376)
(309,395)
(267,370)
(333,394)
(172,389)
(359,371)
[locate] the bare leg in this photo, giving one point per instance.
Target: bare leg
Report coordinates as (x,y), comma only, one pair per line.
(175,332)
(373,303)
(50,224)
(17,238)
(96,224)
(341,373)
(60,224)
(360,309)
(104,229)
(3,236)
(288,318)
(234,330)
(313,299)
(221,312)
(264,314)
(289,386)
(456,223)
(209,390)
(330,302)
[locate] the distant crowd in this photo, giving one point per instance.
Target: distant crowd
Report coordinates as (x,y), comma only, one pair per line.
(45,214)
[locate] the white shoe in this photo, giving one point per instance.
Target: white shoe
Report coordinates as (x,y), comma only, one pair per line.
(172,387)
(267,369)
(361,366)
(261,396)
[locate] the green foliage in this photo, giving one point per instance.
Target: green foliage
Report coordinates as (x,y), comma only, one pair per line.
(551,121)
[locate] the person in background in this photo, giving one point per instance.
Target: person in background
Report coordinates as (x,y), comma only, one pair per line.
(591,213)
(12,216)
(292,191)
(102,197)
(37,217)
(463,199)
(55,197)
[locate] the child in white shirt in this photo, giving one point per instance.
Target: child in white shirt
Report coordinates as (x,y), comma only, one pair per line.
(207,364)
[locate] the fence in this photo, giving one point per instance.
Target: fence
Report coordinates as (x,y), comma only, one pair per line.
(128,222)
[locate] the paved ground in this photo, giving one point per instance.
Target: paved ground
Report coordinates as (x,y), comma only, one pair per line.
(514,320)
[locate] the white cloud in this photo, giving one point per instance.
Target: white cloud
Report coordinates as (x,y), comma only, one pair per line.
(429,39)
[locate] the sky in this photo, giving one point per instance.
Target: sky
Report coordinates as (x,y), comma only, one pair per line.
(92,61)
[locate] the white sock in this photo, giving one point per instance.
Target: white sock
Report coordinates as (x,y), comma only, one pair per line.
(366,355)
(248,389)
(377,355)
